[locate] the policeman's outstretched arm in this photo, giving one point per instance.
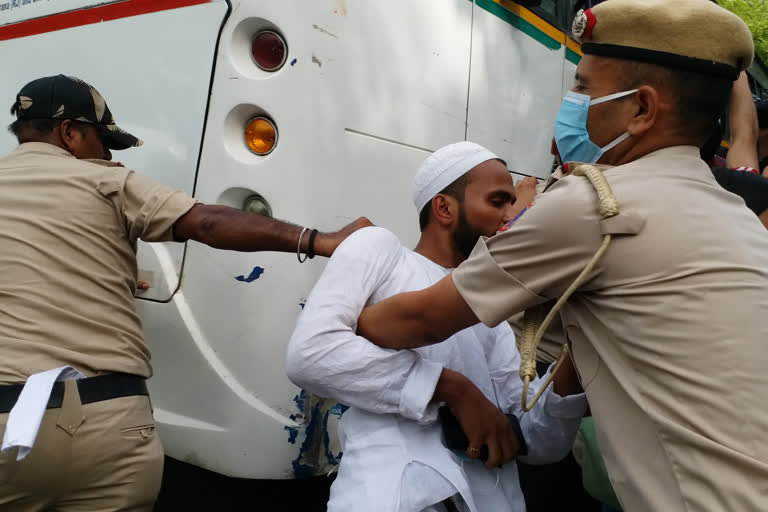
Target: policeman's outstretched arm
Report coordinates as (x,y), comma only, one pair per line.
(223,227)
(416,319)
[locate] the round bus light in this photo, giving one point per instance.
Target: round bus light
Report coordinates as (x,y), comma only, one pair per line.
(261,136)
(257,204)
(269,50)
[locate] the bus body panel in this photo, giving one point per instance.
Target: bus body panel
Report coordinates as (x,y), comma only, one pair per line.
(516,86)
(362,99)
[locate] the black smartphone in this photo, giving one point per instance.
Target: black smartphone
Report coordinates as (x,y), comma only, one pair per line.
(455,439)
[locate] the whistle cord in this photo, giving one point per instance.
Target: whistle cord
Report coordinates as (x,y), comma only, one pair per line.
(533,327)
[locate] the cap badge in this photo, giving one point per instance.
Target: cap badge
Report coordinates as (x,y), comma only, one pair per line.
(583,24)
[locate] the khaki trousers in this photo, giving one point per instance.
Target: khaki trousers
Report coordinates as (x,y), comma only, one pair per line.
(103,456)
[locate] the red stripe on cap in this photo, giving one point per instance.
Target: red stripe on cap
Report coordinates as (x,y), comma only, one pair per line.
(591,22)
(91,15)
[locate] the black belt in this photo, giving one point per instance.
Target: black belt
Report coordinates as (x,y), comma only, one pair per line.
(92,389)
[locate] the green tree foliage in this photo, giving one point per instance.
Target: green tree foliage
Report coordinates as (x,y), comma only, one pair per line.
(755,15)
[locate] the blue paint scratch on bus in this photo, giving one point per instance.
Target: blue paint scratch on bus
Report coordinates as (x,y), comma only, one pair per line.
(254,275)
(293,432)
(315,451)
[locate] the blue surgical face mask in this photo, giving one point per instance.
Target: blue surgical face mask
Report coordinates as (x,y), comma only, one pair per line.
(571,135)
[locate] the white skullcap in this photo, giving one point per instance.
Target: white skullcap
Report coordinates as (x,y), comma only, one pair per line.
(445,166)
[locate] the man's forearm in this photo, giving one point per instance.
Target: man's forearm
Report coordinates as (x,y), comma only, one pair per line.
(417,319)
(227,228)
(743,125)
(397,322)
(223,227)
(451,387)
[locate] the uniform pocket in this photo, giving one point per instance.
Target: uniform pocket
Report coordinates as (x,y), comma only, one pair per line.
(139,432)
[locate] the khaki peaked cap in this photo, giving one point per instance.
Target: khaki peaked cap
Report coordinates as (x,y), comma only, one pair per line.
(690,35)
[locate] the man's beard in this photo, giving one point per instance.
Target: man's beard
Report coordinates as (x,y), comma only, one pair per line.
(465,236)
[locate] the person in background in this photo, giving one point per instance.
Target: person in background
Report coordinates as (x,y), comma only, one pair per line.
(745,130)
(740,173)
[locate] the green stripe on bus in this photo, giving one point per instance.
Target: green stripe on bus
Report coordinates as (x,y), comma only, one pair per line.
(572,56)
(518,22)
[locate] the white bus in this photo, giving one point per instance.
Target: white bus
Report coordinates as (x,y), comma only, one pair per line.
(357,92)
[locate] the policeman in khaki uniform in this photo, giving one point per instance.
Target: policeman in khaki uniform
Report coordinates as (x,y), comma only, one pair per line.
(668,332)
(68,233)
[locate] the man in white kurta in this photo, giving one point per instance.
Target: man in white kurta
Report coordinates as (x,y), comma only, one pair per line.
(394,457)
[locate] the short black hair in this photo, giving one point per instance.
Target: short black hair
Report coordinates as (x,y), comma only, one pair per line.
(31,130)
(700,99)
(455,190)
(40,126)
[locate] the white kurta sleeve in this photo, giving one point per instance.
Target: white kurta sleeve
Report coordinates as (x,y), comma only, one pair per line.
(551,426)
(327,358)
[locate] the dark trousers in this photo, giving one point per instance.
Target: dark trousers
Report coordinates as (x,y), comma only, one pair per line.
(555,487)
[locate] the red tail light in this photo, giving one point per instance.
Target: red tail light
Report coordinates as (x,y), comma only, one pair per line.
(269,50)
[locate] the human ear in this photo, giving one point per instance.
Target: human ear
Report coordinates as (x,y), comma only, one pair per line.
(645,105)
(444,209)
(71,137)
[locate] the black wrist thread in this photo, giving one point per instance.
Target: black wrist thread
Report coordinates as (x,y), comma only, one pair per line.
(311,246)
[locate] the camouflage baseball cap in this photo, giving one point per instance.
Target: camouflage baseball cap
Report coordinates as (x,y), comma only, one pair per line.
(67,97)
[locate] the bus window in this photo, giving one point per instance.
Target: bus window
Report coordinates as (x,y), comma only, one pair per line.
(550,6)
(550,10)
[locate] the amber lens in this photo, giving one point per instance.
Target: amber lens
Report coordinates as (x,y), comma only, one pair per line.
(261,135)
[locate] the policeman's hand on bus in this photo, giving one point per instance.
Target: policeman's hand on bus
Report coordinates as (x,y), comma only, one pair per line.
(142,285)
(223,227)
(326,243)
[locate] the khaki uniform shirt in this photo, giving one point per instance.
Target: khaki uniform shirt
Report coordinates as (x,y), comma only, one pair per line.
(68,232)
(668,334)
(551,343)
